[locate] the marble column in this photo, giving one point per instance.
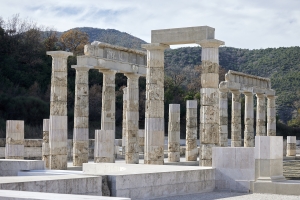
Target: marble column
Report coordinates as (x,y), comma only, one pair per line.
(141,140)
(209,109)
(191,152)
(104,151)
(249,120)
(154,116)
(124,120)
(260,115)
(14,147)
(45,145)
(223,118)
(174,133)
(58,122)
(132,119)
(108,120)
(291,146)
(81,116)
(271,116)
(236,134)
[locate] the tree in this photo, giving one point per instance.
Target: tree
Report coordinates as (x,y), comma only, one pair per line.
(74,41)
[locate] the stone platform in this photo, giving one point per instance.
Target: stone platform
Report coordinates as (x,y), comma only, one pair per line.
(11,167)
(152,181)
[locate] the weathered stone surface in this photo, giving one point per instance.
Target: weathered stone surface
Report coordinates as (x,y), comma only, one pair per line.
(223,118)
(271,116)
(174,133)
(58,128)
(108,100)
(191,131)
(236,119)
(249,120)
(141,140)
(132,120)
(14,148)
(104,146)
(124,119)
(260,115)
(291,146)
(45,145)
(154,121)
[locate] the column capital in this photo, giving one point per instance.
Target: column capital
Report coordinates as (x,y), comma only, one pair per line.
(61,54)
(81,68)
(155,46)
(260,95)
(132,75)
(248,93)
(108,71)
(235,91)
(210,43)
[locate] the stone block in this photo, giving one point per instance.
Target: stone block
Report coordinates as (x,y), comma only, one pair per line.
(291,139)
(104,145)
(268,147)
(9,167)
(209,96)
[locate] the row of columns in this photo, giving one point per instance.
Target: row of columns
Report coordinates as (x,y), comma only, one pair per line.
(248,118)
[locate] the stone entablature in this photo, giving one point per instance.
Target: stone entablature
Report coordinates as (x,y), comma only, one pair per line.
(101,55)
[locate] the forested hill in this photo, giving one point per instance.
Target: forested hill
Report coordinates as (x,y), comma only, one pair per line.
(282,65)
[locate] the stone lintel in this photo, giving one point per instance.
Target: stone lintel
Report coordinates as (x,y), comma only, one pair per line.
(158,46)
(106,45)
(186,35)
(82,68)
(63,54)
(209,43)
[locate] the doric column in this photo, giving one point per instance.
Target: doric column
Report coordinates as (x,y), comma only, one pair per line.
(260,115)
(174,133)
(58,125)
(223,118)
(271,116)
(104,151)
(45,145)
(124,120)
(249,120)
(108,120)
(236,119)
(154,116)
(209,110)
(191,152)
(14,147)
(81,116)
(132,119)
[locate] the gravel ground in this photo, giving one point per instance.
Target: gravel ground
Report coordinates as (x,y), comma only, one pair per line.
(228,195)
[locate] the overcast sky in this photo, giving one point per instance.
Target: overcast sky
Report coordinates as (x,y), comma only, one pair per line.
(252,24)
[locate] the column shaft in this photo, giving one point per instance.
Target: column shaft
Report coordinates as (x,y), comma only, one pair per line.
(45,145)
(132,120)
(104,146)
(249,120)
(291,146)
(191,152)
(124,120)
(209,110)
(81,116)
(236,119)
(58,122)
(108,120)
(154,120)
(174,133)
(14,147)
(223,118)
(260,115)
(271,116)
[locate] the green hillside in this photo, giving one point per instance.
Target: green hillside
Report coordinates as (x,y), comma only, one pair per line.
(25,72)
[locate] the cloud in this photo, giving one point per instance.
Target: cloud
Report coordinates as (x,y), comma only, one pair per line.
(240,23)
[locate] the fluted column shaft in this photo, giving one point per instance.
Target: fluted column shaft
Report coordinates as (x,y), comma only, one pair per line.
(236,119)
(249,120)
(191,152)
(174,133)
(209,110)
(271,116)
(108,121)
(154,120)
(81,116)
(58,125)
(132,120)
(223,118)
(260,115)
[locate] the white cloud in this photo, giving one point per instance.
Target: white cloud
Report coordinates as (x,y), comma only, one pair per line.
(240,23)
